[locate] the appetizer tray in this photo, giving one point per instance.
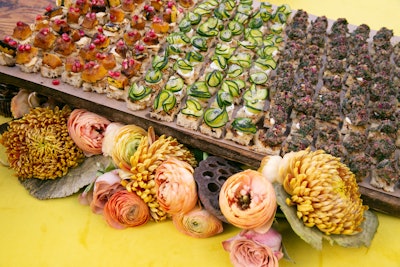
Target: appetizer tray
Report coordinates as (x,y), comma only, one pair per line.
(327,102)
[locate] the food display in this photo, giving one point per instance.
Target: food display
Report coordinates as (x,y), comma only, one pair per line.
(257,78)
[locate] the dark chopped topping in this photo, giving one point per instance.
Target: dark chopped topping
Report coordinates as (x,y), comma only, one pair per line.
(381,148)
(359,164)
(304,125)
(305,105)
(355,142)
(296,143)
(274,135)
(384,108)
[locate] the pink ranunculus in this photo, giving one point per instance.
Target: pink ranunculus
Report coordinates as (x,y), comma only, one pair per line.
(87,130)
(105,186)
(250,248)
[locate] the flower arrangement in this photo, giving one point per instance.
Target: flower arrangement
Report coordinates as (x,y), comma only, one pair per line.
(151,178)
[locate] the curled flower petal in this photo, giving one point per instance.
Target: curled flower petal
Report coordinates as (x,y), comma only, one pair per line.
(175,185)
(87,130)
(127,140)
(250,248)
(105,186)
(248,201)
(109,138)
(197,223)
(125,209)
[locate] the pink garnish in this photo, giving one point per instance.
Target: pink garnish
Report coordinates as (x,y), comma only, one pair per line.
(39,17)
(100,56)
(92,46)
(91,15)
(157,20)
(114,74)
(120,43)
(81,33)
(100,29)
(65,37)
(77,66)
(49,8)
(90,64)
(139,47)
(55,82)
(170,4)
(20,23)
(45,31)
(135,17)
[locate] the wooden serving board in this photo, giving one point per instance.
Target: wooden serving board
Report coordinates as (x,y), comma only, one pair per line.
(116,110)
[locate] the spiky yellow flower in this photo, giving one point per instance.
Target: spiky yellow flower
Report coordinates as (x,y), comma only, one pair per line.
(150,153)
(38,145)
(324,190)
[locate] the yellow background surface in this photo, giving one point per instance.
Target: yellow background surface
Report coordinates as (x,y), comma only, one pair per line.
(61,232)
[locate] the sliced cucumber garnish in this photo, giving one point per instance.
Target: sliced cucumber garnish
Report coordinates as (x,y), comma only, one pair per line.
(174,84)
(258,78)
(138,92)
(199,90)
(216,117)
(165,100)
(193,108)
(214,78)
(245,125)
(153,76)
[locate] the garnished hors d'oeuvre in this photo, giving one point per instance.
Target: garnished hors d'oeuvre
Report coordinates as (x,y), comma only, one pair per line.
(44,39)
(214,121)
(140,96)
(94,77)
(191,114)
(27,58)
(241,131)
(254,101)
(117,85)
(52,65)
(72,75)
(64,45)
(131,67)
(22,32)
(8,51)
(165,106)
(270,140)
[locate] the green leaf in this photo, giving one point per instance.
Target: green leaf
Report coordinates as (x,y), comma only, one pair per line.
(315,237)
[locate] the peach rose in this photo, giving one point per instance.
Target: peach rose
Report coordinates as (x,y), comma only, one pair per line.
(87,130)
(126,209)
(248,201)
(250,248)
(105,186)
(175,186)
(197,223)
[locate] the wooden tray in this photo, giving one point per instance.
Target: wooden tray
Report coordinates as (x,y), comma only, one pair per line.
(117,111)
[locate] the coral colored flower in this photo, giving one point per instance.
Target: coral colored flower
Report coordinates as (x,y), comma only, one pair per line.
(87,130)
(105,186)
(126,209)
(197,223)
(176,187)
(247,200)
(250,248)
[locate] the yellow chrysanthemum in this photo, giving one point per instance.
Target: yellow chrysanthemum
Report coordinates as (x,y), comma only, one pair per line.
(324,191)
(38,145)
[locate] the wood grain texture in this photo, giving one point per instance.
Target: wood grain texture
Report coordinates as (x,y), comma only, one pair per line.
(20,10)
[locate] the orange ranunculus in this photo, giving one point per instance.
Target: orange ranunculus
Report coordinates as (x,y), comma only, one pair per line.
(247,200)
(105,186)
(175,186)
(197,223)
(87,130)
(250,248)
(126,209)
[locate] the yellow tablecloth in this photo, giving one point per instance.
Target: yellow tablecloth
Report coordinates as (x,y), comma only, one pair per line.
(61,232)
